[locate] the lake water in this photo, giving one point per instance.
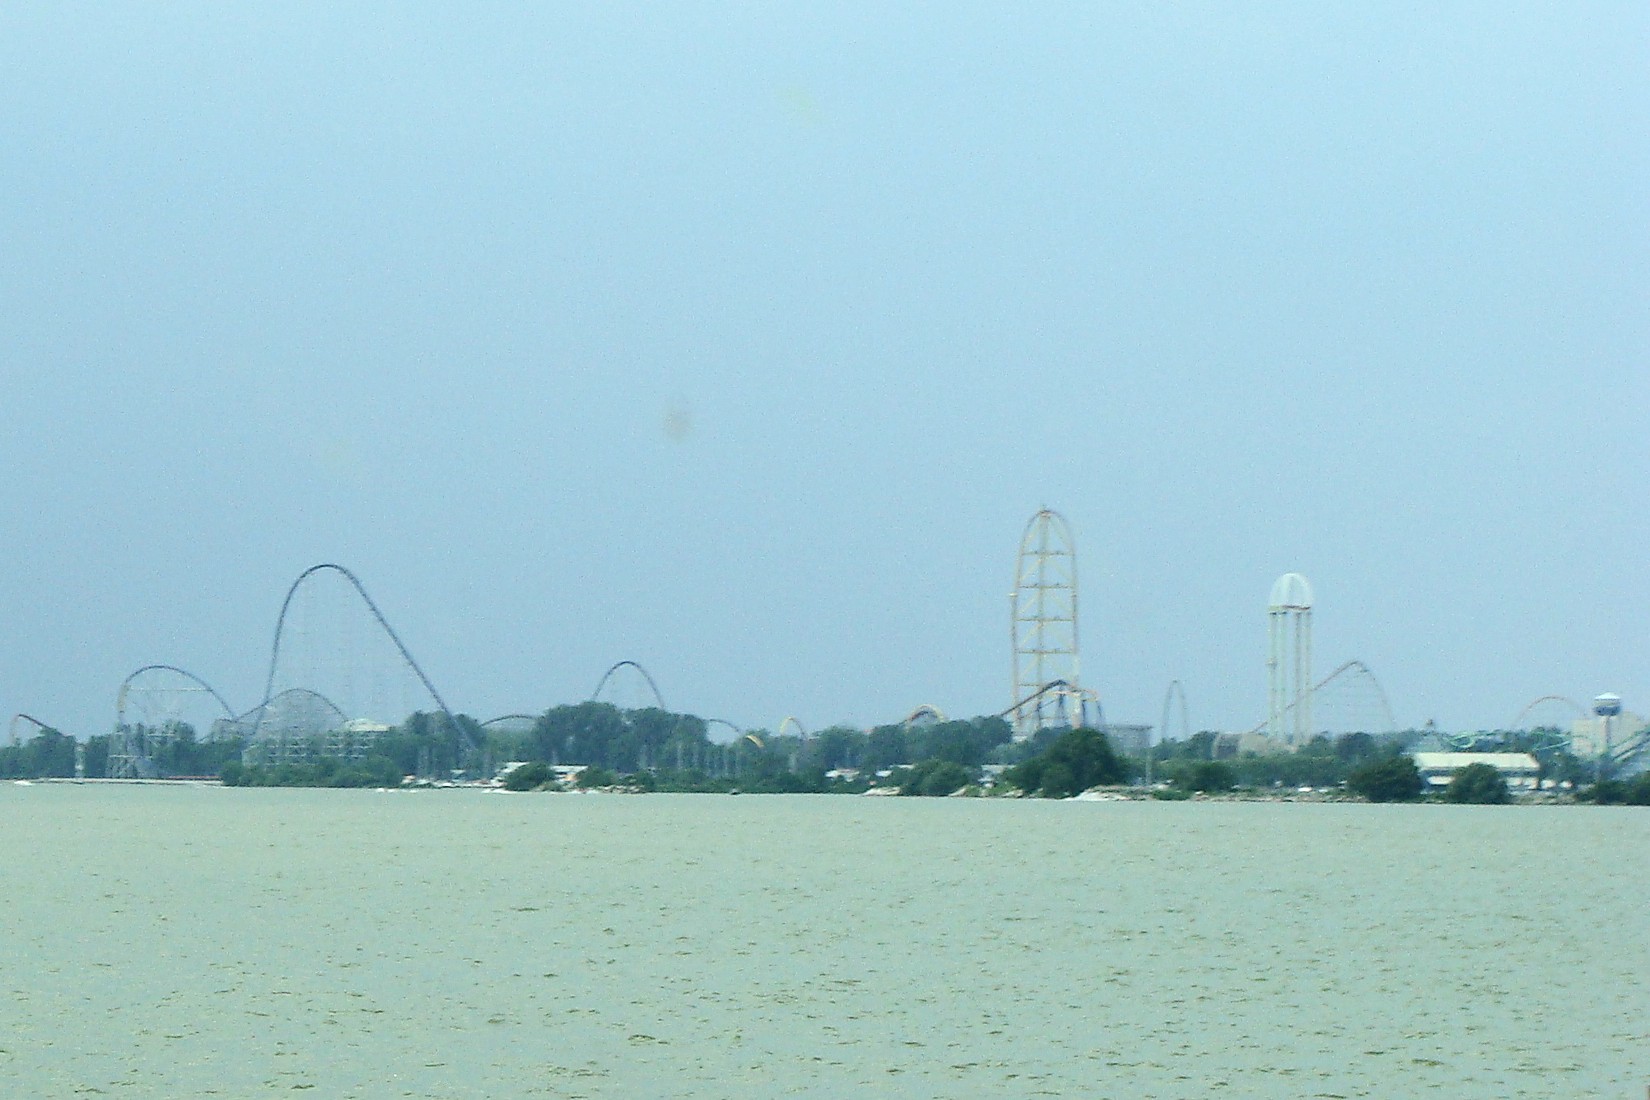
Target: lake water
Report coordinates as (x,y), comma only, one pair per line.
(203,941)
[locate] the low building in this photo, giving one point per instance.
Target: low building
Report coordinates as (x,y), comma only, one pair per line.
(1520,770)
(562,773)
(355,739)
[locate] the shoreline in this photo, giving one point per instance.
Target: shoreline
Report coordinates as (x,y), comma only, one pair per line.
(1096,794)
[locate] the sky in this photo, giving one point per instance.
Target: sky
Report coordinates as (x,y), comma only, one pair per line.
(742,341)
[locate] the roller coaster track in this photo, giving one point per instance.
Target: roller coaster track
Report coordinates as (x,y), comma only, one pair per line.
(263,708)
(659,700)
(39,726)
(1631,748)
(1553,739)
(737,732)
(120,696)
(1056,687)
(926,709)
(1175,690)
(1052,685)
(1558,740)
(509,718)
(1581,711)
(127,756)
(280,625)
(1350,666)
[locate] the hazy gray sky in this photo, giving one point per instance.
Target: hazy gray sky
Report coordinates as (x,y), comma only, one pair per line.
(742,341)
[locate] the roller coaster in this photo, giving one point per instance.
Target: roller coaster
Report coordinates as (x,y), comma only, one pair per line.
(297,710)
(520,720)
(658,699)
(150,711)
(1554,732)
(383,624)
(1059,704)
(1367,709)
(925,715)
(1173,692)
(1633,748)
(151,701)
(528,720)
(39,726)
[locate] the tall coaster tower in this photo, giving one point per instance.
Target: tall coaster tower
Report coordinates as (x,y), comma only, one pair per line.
(1044,628)
(1289,676)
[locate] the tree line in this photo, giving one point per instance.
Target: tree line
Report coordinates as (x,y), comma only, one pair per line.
(655,749)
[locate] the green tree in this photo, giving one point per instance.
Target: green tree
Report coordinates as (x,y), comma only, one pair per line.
(1077,760)
(1201,745)
(1480,784)
(603,735)
(968,742)
(1619,792)
(936,778)
(525,777)
(426,743)
(884,748)
(49,753)
(1386,779)
(1205,775)
(647,732)
(1058,780)
(836,747)
(97,753)
(370,771)
(596,776)
(1355,748)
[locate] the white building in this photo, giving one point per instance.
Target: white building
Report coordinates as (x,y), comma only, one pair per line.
(1520,770)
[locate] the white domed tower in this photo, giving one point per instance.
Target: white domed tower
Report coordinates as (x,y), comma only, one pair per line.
(1289,681)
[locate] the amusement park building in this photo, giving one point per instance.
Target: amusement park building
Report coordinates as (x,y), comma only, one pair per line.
(1520,770)
(1587,734)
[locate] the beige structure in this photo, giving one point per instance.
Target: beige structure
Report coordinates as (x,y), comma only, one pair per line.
(1587,734)
(1259,744)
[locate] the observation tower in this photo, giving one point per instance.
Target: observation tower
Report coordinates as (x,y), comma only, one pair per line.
(1289,675)
(1608,709)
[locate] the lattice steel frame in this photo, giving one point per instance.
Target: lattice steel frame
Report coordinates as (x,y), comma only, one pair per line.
(1043,625)
(469,740)
(1355,667)
(129,755)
